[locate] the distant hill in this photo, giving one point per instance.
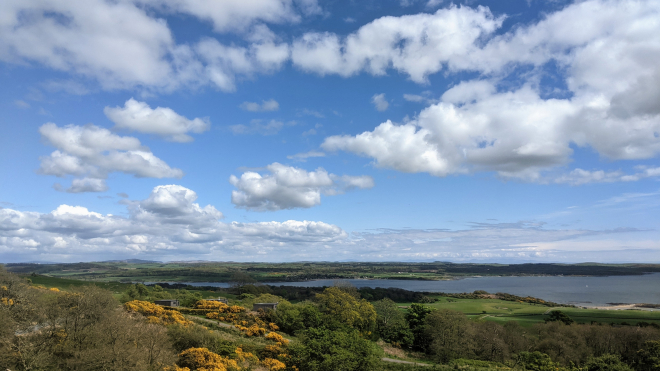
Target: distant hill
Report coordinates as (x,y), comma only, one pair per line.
(131,261)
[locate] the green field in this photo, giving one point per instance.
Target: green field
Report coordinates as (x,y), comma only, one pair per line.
(528,314)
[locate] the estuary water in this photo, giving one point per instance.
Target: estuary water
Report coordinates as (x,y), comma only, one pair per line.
(582,291)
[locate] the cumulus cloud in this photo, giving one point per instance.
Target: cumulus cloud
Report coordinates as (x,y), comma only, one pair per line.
(94,152)
(380,102)
(266,105)
(287,187)
(162,121)
(483,125)
(122,45)
(168,222)
(417,45)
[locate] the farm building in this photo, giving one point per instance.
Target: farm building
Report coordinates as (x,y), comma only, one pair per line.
(264,306)
(167,302)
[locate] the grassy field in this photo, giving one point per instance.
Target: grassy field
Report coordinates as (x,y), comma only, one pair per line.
(528,314)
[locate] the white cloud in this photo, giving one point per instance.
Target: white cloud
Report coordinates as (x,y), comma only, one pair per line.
(433,3)
(95,152)
(257,126)
(288,187)
(85,185)
(138,116)
(266,105)
(380,102)
(222,64)
(482,125)
(417,45)
(580,176)
(167,223)
(305,155)
(114,42)
(123,46)
(231,15)
(416,98)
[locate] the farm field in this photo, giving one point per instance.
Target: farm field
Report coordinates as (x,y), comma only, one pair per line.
(528,314)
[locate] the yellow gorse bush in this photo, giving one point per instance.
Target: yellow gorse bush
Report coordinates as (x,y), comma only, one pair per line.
(202,359)
(156,313)
(253,330)
(277,338)
(273,364)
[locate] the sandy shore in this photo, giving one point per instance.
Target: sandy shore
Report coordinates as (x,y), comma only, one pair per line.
(620,307)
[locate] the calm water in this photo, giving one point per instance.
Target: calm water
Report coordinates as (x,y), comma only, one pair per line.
(588,291)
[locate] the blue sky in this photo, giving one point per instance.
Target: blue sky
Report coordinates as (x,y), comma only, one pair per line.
(288,130)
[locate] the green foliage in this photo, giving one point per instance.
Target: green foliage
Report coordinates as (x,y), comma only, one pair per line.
(557,315)
(391,324)
(536,361)
(83,329)
(292,318)
(607,362)
(327,350)
(186,337)
(345,308)
(649,356)
(449,335)
(415,317)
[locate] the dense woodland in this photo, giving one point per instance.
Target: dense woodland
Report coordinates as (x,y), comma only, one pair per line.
(338,328)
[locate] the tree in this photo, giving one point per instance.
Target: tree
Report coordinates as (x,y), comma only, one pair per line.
(557,315)
(345,308)
(449,334)
(415,317)
(536,361)
(391,323)
(327,350)
(607,362)
(649,356)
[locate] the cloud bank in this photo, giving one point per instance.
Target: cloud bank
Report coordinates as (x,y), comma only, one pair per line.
(170,225)
(609,103)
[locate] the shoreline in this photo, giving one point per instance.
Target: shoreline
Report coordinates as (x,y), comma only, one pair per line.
(634,306)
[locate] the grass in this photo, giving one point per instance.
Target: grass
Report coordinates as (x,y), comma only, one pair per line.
(526,314)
